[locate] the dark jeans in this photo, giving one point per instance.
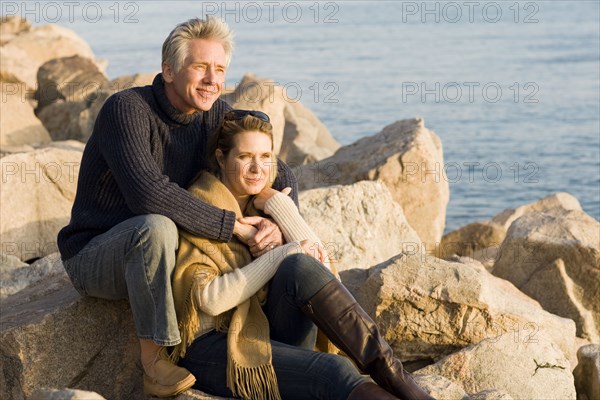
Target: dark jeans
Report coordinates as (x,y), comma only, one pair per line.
(301,372)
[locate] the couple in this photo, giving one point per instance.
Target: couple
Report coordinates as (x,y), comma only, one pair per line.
(177,254)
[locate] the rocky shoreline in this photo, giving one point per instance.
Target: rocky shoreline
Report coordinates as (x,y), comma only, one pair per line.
(507,308)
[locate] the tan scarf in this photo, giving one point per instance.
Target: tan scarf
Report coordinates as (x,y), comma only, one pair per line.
(250,373)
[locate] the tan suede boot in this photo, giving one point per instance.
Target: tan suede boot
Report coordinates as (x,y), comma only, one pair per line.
(166,379)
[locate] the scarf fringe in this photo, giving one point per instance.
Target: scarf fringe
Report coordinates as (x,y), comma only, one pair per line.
(252,383)
(188,324)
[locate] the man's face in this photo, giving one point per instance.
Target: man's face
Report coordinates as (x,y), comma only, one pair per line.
(200,80)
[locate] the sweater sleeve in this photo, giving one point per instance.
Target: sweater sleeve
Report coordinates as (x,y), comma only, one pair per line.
(291,223)
(228,290)
(286,178)
(126,148)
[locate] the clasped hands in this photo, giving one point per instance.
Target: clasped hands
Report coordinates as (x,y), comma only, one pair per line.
(263,234)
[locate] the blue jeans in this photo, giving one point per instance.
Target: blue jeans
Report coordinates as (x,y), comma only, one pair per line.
(301,372)
(134,260)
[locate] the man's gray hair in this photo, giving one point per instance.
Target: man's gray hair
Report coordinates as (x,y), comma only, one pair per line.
(176,46)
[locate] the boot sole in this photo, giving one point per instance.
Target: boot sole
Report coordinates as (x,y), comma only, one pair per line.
(158,390)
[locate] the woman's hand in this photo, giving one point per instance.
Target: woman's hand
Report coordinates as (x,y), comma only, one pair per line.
(244,232)
(261,199)
(313,249)
(267,237)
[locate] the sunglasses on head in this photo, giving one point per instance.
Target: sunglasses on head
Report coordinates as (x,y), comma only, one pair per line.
(235,115)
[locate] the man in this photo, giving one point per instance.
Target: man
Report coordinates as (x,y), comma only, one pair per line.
(148,143)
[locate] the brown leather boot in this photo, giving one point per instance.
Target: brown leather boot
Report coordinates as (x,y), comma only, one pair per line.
(370,391)
(349,327)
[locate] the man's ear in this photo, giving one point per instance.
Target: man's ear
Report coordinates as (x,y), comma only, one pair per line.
(220,158)
(168,73)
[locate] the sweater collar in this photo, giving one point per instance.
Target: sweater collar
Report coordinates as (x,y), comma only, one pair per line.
(158,87)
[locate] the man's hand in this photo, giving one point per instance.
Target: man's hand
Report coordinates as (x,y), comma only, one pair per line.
(261,199)
(268,236)
(244,232)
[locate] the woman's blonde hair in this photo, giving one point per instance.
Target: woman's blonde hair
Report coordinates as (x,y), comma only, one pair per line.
(176,46)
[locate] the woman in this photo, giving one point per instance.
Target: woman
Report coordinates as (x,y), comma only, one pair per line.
(240,339)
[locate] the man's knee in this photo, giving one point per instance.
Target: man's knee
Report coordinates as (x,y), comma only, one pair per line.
(159,231)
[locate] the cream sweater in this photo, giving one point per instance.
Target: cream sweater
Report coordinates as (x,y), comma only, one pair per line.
(228,290)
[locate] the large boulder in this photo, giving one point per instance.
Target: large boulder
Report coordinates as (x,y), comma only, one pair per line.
(587,372)
(481,240)
(50,337)
(407,158)
(555,259)
(19,125)
(360,224)
(534,369)
(440,387)
(16,275)
(65,120)
(551,203)
(38,189)
(428,307)
(65,394)
(22,56)
(10,26)
(75,119)
(298,135)
(471,240)
(70,79)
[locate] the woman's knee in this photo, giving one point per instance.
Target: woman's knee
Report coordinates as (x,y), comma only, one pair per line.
(305,272)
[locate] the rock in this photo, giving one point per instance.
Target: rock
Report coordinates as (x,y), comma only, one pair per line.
(534,369)
(10,26)
(428,307)
(360,224)
(16,275)
(51,337)
(560,201)
(472,239)
(38,189)
(63,120)
(305,138)
(129,81)
(26,52)
(555,259)
(19,125)
(193,394)
(587,372)
(75,120)
(491,394)
(65,394)
(298,135)
(407,157)
(440,387)
(71,79)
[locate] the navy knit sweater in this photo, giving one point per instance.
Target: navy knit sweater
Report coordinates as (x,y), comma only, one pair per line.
(140,157)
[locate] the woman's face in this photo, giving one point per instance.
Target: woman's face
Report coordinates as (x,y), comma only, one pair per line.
(246,170)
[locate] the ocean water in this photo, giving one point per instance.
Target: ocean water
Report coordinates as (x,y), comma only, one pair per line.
(511,87)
